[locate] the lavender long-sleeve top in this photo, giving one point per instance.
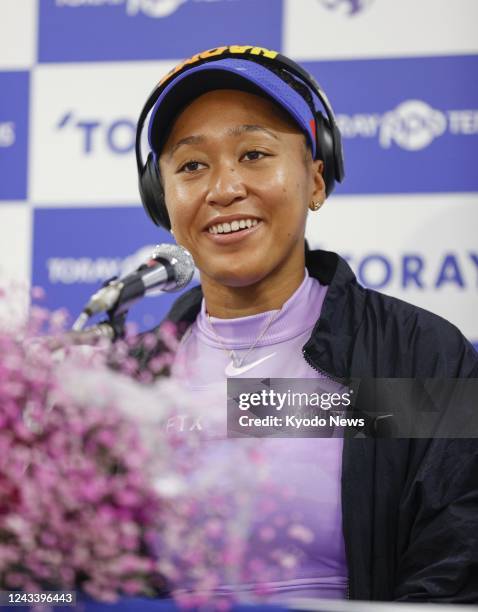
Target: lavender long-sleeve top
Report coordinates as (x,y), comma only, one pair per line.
(310,468)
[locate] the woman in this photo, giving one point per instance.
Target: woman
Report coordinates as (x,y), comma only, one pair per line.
(240,155)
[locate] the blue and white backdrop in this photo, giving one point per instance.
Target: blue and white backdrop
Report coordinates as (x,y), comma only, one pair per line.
(402,77)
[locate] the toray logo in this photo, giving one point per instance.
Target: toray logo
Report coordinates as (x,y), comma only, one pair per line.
(413,125)
(117,135)
(151,8)
(417,271)
(68,270)
(349,7)
(96,270)
(7,134)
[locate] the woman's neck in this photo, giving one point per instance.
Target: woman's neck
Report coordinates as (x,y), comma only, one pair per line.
(225,302)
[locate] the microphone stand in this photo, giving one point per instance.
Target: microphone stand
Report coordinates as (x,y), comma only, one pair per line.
(91,336)
(111,329)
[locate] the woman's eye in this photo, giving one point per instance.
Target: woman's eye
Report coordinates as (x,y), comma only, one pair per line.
(253,155)
(190,166)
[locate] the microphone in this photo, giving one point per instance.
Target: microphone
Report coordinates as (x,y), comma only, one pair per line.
(169,269)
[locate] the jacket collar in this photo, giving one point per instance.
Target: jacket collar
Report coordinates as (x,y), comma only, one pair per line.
(330,346)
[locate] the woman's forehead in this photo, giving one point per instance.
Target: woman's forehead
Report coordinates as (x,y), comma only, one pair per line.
(233,111)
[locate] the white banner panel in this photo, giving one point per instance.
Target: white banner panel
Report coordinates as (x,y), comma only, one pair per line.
(83,131)
(420,248)
(327,29)
(15,255)
(18,34)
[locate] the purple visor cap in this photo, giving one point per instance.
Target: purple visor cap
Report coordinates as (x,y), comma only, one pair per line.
(245,75)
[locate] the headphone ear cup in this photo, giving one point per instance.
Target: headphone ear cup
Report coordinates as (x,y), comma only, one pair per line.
(152,194)
(325,152)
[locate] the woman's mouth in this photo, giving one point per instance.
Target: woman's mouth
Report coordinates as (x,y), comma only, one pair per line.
(233,231)
(234,226)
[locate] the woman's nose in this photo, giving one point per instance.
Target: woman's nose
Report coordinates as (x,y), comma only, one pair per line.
(226,186)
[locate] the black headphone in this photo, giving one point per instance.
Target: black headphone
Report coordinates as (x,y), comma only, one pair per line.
(328,138)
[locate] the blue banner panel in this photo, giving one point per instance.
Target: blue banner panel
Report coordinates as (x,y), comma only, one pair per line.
(409,125)
(13,134)
(76,250)
(105,30)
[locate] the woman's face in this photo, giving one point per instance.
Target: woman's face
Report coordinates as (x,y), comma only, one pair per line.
(238,181)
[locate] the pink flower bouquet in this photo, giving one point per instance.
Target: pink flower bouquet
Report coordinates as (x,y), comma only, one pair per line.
(104,485)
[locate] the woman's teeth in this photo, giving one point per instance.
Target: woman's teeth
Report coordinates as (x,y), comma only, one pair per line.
(235,226)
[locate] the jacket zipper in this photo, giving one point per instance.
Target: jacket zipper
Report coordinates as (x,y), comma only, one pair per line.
(323,372)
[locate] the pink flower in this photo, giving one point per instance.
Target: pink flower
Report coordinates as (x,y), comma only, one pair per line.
(37,293)
(9,495)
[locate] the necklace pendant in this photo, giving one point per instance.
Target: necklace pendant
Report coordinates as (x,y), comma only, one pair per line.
(236,362)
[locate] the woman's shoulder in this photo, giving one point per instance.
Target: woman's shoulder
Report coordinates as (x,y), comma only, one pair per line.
(385,335)
(427,341)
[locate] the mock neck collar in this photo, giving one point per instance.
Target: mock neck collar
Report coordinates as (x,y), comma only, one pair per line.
(297,315)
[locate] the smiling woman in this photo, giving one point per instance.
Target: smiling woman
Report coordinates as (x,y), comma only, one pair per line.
(233,156)
(243,146)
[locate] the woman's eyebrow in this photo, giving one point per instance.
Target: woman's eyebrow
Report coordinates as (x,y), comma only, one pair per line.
(242,129)
(185,141)
(235,131)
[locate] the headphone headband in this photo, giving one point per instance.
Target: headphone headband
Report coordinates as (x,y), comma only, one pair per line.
(327,133)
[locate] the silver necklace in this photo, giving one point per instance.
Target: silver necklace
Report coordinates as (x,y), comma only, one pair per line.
(239,361)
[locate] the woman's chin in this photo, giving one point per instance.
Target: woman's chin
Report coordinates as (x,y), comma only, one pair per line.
(233,279)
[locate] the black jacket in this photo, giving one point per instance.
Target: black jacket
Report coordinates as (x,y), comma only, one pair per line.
(410,506)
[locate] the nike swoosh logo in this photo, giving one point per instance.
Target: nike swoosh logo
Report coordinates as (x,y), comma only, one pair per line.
(233,371)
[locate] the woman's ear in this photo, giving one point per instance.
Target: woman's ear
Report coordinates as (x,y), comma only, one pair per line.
(319,193)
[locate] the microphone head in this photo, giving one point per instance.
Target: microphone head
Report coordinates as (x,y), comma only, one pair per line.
(181,261)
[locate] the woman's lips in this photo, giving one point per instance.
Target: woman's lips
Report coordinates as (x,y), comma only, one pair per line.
(233,237)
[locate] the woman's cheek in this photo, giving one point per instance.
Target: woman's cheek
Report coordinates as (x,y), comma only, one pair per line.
(281,185)
(176,199)
(274,179)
